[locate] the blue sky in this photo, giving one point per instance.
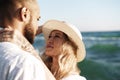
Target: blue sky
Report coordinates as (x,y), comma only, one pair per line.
(87,15)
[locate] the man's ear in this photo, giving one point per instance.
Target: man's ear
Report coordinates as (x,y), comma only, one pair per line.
(25,14)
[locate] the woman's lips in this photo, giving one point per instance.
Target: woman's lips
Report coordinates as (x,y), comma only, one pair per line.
(49,46)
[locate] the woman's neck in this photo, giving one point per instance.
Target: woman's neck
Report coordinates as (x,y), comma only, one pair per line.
(55,64)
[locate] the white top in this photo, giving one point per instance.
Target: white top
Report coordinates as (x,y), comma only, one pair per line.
(16,64)
(74,77)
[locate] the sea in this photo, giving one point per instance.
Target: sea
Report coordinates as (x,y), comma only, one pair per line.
(102,60)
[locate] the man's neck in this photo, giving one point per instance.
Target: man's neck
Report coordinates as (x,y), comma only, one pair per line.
(14,36)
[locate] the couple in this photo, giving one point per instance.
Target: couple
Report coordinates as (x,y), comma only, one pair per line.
(18,58)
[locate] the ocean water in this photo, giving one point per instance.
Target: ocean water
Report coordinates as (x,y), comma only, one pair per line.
(102,60)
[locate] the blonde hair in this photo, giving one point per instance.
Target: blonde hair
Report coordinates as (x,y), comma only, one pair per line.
(67,62)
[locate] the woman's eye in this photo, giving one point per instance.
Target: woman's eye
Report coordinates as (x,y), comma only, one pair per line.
(49,37)
(57,36)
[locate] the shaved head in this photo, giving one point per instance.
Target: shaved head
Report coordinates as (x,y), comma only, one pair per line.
(8,7)
(22,15)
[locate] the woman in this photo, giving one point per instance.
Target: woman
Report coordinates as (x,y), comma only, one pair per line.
(64,48)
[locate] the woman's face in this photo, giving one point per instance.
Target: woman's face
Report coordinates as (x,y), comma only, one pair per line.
(54,43)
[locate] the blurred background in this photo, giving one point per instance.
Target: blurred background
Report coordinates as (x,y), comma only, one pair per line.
(87,15)
(102,61)
(99,23)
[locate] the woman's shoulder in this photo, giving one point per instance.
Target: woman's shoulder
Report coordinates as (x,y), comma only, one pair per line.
(74,77)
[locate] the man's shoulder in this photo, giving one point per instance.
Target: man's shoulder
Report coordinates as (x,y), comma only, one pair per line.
(12,53)
(21,64)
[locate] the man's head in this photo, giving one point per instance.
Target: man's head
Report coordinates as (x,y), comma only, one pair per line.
(22,15)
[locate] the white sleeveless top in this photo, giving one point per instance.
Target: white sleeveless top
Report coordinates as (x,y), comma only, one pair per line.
(74,77)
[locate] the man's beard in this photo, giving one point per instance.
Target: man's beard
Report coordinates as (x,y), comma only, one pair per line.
(29,33)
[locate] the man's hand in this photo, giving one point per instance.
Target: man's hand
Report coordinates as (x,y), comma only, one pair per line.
(39,31)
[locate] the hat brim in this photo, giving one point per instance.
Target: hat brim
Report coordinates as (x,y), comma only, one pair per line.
(72,32)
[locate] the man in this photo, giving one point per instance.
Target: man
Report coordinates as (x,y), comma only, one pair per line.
(18,59)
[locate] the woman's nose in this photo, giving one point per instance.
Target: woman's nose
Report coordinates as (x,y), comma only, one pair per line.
(50,40)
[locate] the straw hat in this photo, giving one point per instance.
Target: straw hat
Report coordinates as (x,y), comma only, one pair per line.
(71,31)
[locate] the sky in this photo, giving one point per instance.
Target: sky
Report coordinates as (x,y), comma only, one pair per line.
(87,15)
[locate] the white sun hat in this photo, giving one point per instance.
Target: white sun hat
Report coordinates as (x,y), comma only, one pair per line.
(71,31)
